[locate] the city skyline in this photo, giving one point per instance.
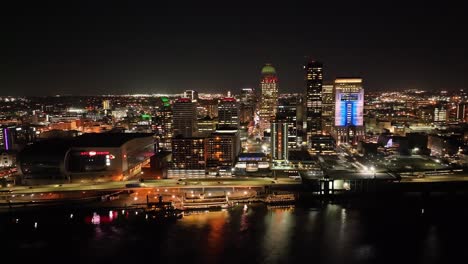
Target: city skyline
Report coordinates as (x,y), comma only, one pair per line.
(99,48)
(271,132)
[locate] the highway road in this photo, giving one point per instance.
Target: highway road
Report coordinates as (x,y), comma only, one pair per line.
(163,183)
(172,189)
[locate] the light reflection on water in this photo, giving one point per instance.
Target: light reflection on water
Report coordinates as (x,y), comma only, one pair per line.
(276,239)
(431,245)
(332,234)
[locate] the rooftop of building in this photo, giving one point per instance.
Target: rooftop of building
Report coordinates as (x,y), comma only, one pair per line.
(314,63)
(181,137)
(252,155)
(184,100)
(48,147)
(348,80)
(106,139)
(300,155)
(268,69)
(228,99)
(59,146)
(322,137)
(226,130)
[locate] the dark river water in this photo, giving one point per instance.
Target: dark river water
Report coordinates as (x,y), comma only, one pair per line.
(256,234)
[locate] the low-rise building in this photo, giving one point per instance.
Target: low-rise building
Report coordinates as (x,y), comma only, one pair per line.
(89,157)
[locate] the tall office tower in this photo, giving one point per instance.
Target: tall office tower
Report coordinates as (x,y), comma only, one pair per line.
(188,157)
(164,124)
(228,113)
(247,105)
(106,104)
(328,106)
(287,113)
(222,149)
(191,94)
(184,118)
(279,141)
(300,120)
(349,108)
(440,114)
(313,98)
(269,96)
(462,109)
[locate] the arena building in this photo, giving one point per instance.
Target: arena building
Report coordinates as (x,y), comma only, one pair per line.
(89,157)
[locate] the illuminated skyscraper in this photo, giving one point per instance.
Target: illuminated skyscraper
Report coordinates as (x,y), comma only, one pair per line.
(440,114)
(287,113)
(164,123)
(247,105)
(228,113)
(279,141)
(349,108)
(462,111)
(328,105)
(313,100)
(106,104)
(188,157)
(191,94)
(222,149)
(269,96)
(184,116)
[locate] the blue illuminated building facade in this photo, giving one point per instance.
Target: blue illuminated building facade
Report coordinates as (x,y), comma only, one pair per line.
(349,109)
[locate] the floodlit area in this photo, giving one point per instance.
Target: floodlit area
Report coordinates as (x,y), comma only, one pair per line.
(414,163)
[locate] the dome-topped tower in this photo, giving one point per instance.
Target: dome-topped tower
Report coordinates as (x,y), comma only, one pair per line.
(268,70)
(269,97)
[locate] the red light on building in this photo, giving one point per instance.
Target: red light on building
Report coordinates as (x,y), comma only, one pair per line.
(184,100)
(270,79)
(228,99)
(93,153)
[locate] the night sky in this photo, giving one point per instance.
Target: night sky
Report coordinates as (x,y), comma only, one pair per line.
(152,47)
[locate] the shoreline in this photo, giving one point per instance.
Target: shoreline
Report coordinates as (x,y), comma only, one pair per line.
(303,199)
